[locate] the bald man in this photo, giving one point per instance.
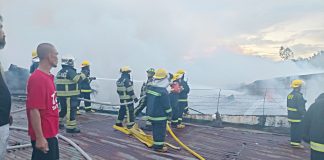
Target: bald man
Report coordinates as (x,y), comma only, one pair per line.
(5,103)
(42,106)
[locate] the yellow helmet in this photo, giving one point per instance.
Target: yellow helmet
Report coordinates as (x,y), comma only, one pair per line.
(85,63)
(176,76)
(296,83)
(181,71)
(34,54)
(125,69)
(160,74)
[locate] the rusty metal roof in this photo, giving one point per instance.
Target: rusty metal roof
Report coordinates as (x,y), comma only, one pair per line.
(101,141)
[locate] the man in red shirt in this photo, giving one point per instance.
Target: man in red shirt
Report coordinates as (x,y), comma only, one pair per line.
(42,106)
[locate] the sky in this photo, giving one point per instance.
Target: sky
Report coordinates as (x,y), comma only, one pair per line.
(218,42)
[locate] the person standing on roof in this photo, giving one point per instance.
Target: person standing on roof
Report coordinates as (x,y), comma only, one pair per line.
(296,111)
(86,89)
(35,62)
(5,102)
(68,91)
(158,108)
(143,102)
(126,94)
(174,98)
(183,98)
(314,128)
(42,106)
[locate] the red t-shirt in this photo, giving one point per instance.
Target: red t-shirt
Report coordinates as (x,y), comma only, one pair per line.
(41,94)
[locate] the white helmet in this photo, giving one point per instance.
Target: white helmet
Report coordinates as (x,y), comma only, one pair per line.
(68,61)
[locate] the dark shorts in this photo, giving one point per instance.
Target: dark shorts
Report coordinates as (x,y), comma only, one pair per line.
(52,154)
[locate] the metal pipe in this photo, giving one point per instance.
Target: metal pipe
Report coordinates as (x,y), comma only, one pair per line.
(83,153)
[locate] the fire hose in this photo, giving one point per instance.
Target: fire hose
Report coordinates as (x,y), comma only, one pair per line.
(183,145)
(83,153)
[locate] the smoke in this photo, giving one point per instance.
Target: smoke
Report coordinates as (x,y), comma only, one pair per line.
(141,34)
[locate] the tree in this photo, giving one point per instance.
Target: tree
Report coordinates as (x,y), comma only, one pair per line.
(286,53)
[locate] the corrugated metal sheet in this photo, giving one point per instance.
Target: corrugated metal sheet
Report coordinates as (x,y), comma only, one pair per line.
(101,141)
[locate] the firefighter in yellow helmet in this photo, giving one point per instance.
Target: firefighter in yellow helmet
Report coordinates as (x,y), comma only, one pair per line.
(85,86)
(35,62)
(126,94)
(158,108)
(174,98)
(143,102)
(183,97)
(68,91)
(296,111)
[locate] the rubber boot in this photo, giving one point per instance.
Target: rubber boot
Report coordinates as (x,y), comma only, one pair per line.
(119,124)
(74,130)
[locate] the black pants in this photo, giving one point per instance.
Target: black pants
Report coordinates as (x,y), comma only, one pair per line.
(87,105)
(127,110)
(159,132)
(175,109)
(142,104)
(68,108)
(317,155)
(182,107)
(296,133)
(52,154)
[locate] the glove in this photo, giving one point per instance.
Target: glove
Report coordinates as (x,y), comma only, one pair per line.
(136,100)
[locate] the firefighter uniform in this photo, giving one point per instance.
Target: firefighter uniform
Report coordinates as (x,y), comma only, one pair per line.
(314,128)
(126,94)
(143,102)
(35,62)
(86,89)
(296,111)
(183,98)
(67,85)
(158,108)
(174,97)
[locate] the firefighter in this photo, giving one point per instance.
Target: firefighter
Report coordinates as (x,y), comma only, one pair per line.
(143,102)
(314,128)
(158,108)
(296,111)
(174,97)
(126,95)
(35,62)
(183,98)
(68,91)
(86,89)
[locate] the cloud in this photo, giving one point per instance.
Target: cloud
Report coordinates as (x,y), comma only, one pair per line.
(170,34)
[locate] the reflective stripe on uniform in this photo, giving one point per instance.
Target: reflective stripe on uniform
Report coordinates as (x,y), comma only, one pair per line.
(292,109)
(294,120)
(63,81)
(153,93)
(87,107)
(295,143)
(158,143)
(183,100)
(158,118)
(67,93)
(124,97)
(121,89)
(169,110)
(317,146)
(180,119)
(86,90)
